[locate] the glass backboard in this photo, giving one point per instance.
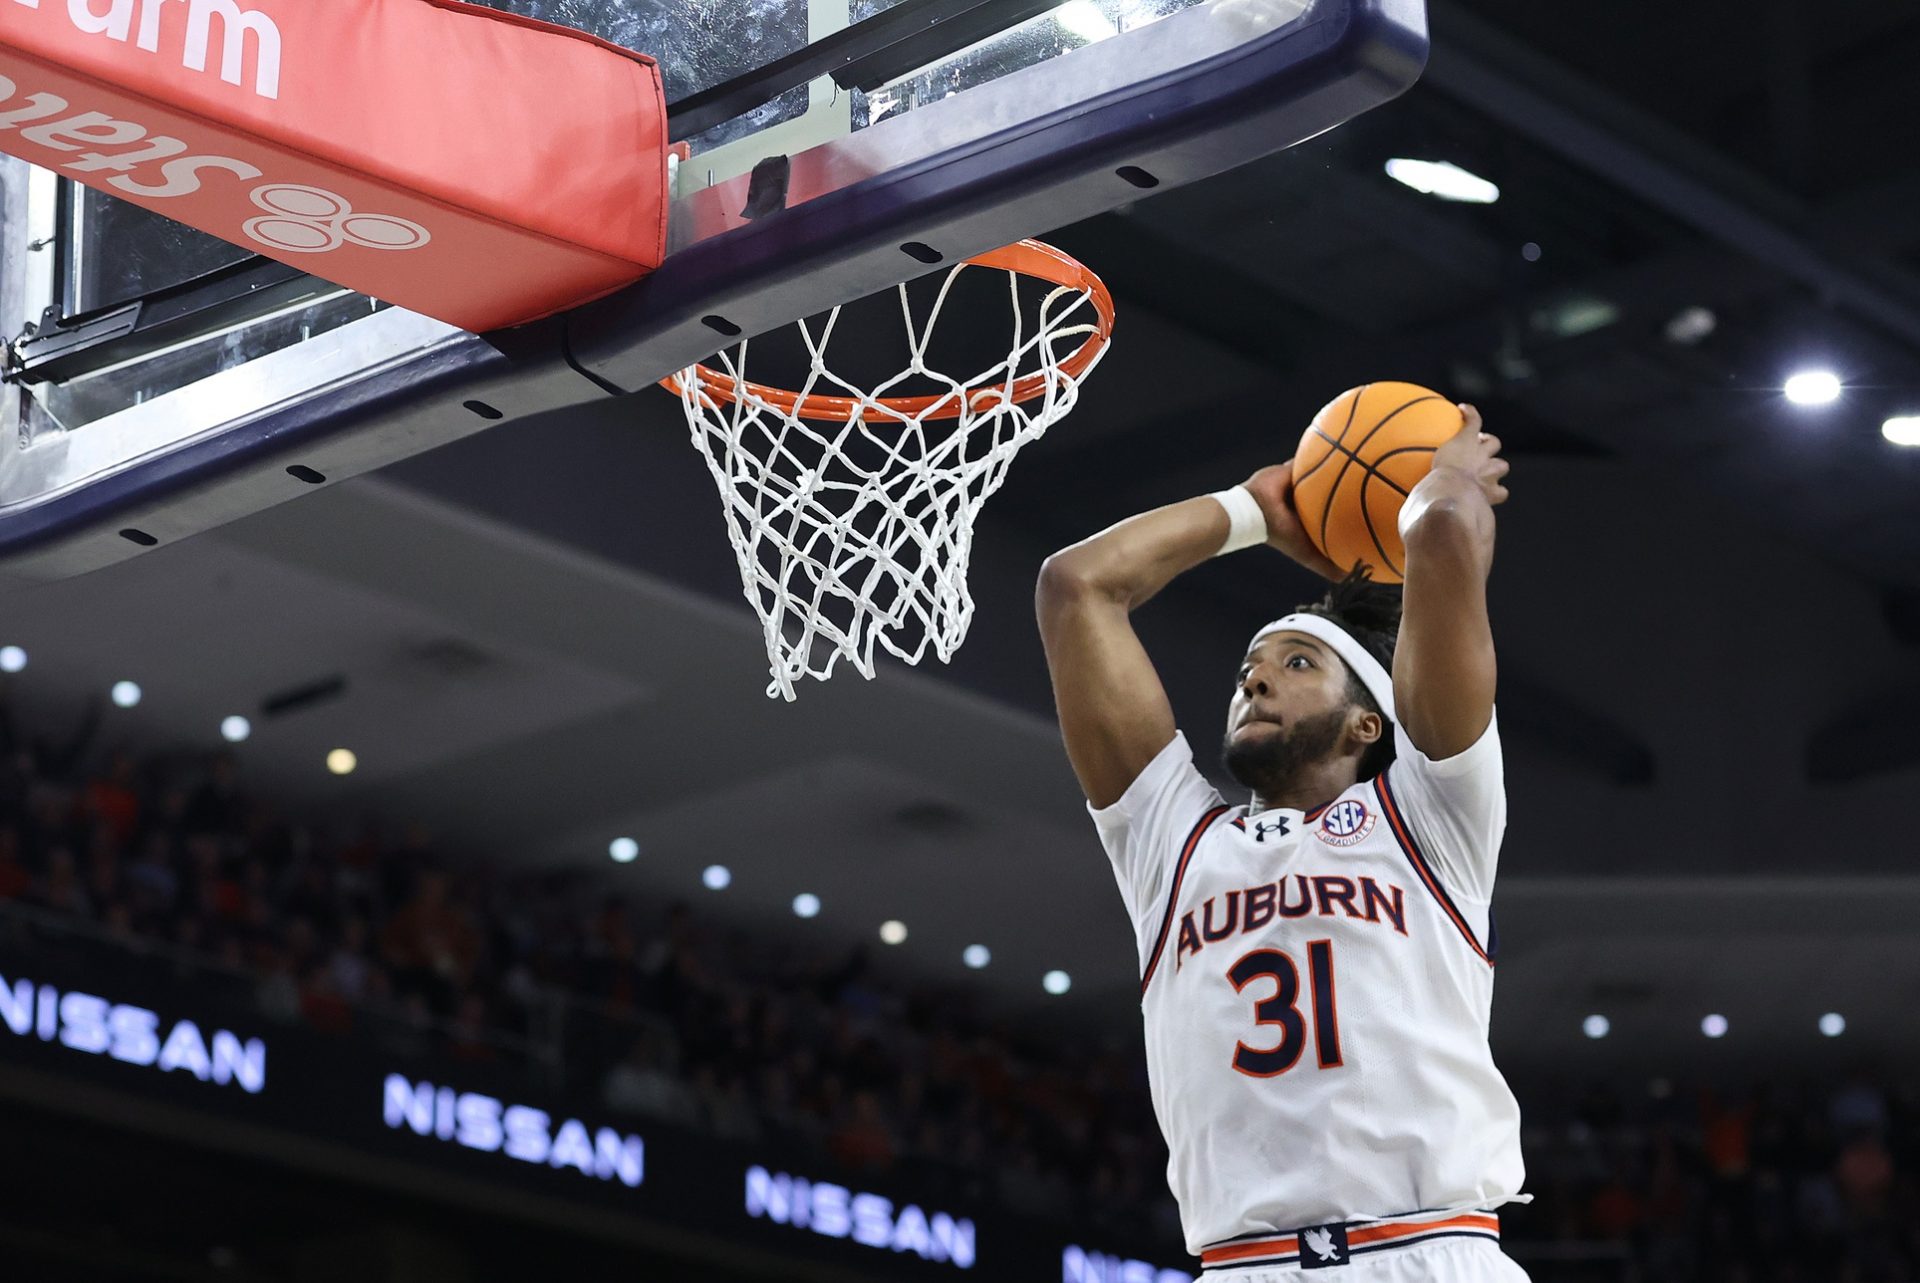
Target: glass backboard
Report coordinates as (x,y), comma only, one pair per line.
(159,382)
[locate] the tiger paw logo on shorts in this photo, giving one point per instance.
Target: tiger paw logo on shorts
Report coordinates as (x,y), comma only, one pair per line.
(1345,823)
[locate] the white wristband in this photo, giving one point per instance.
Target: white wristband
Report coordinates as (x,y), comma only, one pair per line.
(1248,523)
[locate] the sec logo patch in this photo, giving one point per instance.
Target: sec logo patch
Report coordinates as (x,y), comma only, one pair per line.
(1345,823)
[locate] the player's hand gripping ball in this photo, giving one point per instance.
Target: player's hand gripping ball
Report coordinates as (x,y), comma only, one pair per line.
(1358,461)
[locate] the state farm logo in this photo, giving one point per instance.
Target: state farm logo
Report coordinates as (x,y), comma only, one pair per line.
(312,220)
(237,30)
(295,219)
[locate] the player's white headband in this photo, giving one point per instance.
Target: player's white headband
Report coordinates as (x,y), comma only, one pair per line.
(1377,680)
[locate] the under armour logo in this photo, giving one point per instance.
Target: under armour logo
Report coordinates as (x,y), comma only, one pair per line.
(1323,1247)
(1263,827)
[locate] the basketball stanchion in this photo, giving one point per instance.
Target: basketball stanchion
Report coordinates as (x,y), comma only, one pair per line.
(851,509)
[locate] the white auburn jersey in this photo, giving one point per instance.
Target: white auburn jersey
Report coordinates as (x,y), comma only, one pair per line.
(1316,988)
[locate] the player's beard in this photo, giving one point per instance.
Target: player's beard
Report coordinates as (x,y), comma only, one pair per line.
(1266,763)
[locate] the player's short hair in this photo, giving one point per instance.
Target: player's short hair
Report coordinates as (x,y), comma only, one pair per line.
(1370,613)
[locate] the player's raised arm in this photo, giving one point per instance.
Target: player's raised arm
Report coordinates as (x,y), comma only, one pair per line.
(1443,668)
(1114,713)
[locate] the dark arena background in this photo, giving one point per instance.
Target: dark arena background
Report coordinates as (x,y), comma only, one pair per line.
(412,882)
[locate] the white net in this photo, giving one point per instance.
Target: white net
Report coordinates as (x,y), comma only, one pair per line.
(851,510)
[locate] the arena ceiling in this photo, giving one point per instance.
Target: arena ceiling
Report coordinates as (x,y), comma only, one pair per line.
(1707,600)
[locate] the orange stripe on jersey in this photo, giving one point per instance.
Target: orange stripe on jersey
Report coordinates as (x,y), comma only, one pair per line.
(1173,896)
(1404,836)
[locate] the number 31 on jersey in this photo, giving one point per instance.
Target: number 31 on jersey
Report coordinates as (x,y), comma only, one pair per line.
(1282,1010)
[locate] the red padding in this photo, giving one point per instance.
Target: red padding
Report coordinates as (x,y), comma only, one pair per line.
(477,167)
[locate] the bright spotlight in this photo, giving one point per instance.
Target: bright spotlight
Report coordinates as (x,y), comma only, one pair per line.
(1813,387)
(1833,1024)
(1441,179)
(234,729)
(1056,982)
(1596,1026)
(1901,429)
(126,694)
(341,761)
(12,659)
(976,956)
(806,905)
(893,931)
(716,877)
(623,850)
(1714,1026)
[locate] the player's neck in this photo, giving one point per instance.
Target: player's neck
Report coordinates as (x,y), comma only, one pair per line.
(1321,782)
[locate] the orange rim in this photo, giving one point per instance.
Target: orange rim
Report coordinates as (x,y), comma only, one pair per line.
(1029,258)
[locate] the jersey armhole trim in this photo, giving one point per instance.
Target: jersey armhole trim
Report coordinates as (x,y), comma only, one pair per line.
(1173,895)
(1404,836)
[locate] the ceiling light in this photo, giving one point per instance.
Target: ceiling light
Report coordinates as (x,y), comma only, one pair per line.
(1901,429)
(893,931)
(716,877)
(1833,1024)
(1690,325)
(976,956)
(126,694)
(1084,19)
(13,659)
(1813,387)
(1443,180)
(623,850)
(234,729)
(1056,982)
(1531,251)
(1596,1026)
(1570,317)
(1714,1026)
(341,761)
(806,905)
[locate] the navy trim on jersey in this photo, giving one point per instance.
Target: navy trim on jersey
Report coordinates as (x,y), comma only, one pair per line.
(1173,896)
(1404,836)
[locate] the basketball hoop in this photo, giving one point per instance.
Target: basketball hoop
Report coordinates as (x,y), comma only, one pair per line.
(851,509)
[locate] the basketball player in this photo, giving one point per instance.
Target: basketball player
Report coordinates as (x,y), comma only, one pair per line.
(1317,965)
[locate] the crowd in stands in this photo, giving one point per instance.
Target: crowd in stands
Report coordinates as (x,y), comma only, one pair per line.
(372,933)
(1775,1183)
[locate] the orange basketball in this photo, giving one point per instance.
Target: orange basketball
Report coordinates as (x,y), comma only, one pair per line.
(1358,460)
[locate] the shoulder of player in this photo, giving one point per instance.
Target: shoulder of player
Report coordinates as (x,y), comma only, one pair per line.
(1396,833)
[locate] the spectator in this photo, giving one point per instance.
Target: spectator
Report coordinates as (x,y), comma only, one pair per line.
(348,968)
(642,1084)
(61,890)
(15,880)
(430,944)
(862,1141)
(111,800)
